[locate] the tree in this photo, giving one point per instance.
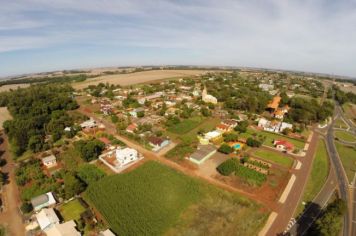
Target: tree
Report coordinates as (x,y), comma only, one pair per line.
(140,114)
(26,207)
(205,111)
(114,119)
(241,127)
(231,137)
(226,149)
(89,150)
(35,143)
(253,142)
(72,185)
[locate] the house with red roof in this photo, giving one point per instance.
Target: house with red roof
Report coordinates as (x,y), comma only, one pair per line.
(131,128)
(283,145)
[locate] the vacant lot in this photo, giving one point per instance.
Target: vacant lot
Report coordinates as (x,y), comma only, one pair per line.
(138,77)
(345,136)
(318,175)
(274,157)
(71,210)
(348,159)
(4,115)
(185,125)
(168,202)
(270,137)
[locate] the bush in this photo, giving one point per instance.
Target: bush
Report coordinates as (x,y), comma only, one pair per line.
(26,207)
(253,142)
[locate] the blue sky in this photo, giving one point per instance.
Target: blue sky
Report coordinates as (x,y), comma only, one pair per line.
(45,35)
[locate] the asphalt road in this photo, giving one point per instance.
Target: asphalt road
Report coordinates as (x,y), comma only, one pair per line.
(340,173)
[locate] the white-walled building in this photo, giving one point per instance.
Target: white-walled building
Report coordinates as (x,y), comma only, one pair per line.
(46,218)
(49,161)
(208,98)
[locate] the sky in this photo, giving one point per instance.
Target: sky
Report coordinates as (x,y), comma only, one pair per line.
(305,35)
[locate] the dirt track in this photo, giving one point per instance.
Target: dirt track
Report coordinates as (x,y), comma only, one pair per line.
(11,216)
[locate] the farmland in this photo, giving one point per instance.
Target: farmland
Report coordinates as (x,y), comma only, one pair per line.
(168,202)
(274,157)
(138,77)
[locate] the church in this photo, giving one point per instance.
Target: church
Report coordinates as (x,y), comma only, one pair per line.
(208,98)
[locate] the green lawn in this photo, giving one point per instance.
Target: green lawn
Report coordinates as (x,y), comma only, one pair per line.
(340,124)
(348,159)
(71,210)
(169,202)
(185,125)
(270,137)
(274,157)
(344,136)
(317,177)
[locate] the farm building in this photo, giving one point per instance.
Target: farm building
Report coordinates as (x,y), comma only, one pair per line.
(203,153)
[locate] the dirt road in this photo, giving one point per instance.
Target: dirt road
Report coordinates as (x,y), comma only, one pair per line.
(11,216)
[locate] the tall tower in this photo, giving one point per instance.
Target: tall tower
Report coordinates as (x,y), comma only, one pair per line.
(204,93)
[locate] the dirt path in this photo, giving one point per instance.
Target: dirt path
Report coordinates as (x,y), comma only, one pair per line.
(11,216)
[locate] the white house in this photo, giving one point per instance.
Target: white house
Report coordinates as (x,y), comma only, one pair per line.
(91,123)
(46,218)
(44,200)
(49,161)
(66,229)
(126,156)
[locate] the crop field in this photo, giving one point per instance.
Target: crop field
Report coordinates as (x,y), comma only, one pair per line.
(345,136)
(274,157)
(169,202)
(138,77)
(4,115)
(348,159)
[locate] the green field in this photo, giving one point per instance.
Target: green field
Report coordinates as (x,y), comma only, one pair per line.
(71,210)
(274,157)
(340,124)
(185,125)
(169,202)
(344,136)
(348,159)
(318,175)
(270,137)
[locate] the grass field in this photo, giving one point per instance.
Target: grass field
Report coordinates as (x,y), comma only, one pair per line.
(344,136)
(274,157)
(272,136)
(71,210)
(186,125)
(317,177)
(348,159)
(350,111)
(169,202)
(340,124)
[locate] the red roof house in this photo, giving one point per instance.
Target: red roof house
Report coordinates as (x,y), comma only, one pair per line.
(283,145)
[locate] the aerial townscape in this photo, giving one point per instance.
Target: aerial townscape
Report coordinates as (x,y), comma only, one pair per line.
(151,148)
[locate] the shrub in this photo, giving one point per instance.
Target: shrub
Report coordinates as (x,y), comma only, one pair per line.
(224,148)
(26,207)
(253,142)
(228,167)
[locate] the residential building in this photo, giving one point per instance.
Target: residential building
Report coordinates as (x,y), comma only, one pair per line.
(273,105)
(283,145)
(131,128)
(106,233)
(44,200)
(66,229)
(223,128)
(266,87)
(46,218)
(135,111)
(119,158)
(203,153)
(49,161)
(212,136)
(91,123)
(157,143)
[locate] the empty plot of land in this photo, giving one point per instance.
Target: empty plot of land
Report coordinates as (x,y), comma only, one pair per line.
(4,115)
(138,77)
(12,86)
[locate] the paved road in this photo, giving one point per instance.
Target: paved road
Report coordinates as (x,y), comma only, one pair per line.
(286,210)
(340,173)
(313,210)
(11,216)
